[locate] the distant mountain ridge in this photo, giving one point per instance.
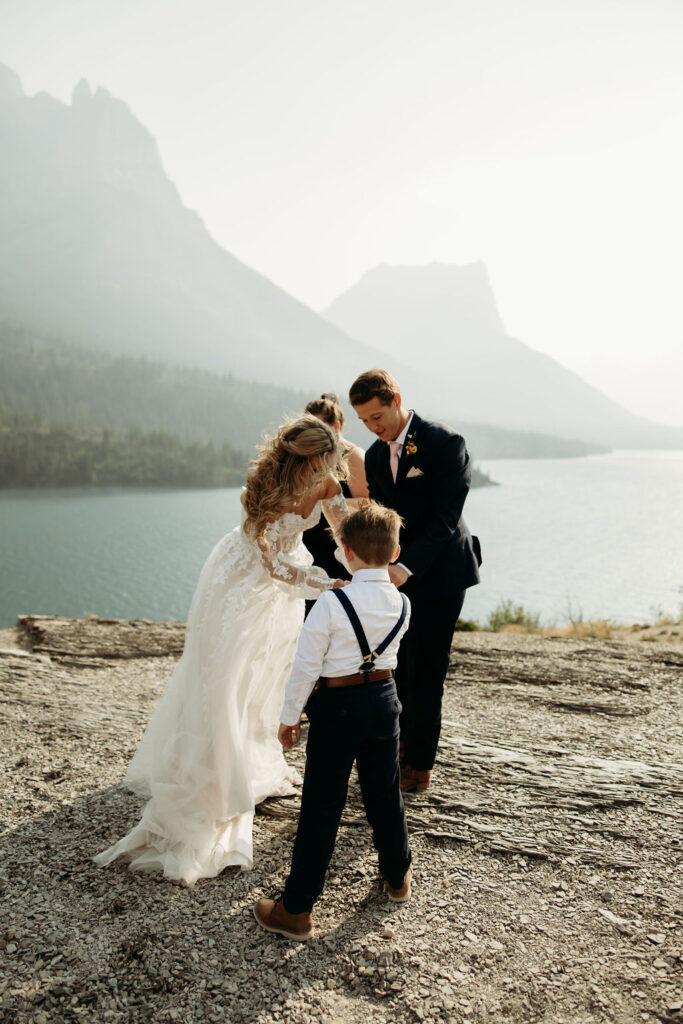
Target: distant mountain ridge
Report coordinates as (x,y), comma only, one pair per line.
(445,316)
(84,389)
(47,382)
(98,250)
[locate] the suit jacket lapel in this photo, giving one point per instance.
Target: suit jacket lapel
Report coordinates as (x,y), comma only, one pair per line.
(384,476)
(385,464)
(405,462)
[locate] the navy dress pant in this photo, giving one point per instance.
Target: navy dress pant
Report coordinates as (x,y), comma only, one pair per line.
(423,659)
(347,724)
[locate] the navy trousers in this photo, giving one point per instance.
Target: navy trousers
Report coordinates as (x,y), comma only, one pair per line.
(423,660)
(347,724)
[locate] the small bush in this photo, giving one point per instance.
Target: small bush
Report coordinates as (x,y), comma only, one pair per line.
(507,614)
(467,626)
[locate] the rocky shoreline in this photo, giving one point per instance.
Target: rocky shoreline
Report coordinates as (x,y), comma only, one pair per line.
(547,853)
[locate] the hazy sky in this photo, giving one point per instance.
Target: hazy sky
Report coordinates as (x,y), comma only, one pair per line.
(317,138)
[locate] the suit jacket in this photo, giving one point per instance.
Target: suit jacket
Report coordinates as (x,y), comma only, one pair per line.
(431,485)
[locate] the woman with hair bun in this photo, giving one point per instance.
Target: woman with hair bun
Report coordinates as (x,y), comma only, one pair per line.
(210,752)
(318,540)
(328,409)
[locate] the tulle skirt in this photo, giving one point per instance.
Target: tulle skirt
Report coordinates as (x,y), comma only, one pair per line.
(210,753)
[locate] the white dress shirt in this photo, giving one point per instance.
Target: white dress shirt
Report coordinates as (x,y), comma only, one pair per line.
(402,440)
(327,643)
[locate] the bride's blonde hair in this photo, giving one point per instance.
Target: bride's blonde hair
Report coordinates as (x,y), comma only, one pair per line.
(284,471)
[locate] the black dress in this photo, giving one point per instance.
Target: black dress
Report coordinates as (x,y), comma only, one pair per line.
(322,547)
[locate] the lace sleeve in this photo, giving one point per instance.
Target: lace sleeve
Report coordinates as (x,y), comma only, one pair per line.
(335,509)
(307,581)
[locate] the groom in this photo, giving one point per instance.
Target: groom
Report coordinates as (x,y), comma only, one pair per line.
(421,470)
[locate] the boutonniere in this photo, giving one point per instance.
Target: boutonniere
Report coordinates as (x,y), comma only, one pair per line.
(411,447)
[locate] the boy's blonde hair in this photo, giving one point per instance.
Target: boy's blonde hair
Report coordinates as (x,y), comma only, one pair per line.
(371,531)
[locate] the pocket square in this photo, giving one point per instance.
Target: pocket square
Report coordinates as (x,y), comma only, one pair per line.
(414,471)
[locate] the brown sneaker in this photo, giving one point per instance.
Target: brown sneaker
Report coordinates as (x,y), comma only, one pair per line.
(413,780)
(272,916)
(401,895)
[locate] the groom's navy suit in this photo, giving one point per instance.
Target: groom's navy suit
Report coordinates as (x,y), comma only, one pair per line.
(432,482)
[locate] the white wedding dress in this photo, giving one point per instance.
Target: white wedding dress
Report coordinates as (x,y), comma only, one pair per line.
(210,752)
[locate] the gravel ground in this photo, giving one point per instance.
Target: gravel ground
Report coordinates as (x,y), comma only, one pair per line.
(547,882)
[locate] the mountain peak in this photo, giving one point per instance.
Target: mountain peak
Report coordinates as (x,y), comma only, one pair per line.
(449,289)
(82,93)
(103,95)
(446,277)
(10,83)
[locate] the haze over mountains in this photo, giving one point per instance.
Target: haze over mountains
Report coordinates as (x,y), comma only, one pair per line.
(445,316)
(50,384)
(99,251)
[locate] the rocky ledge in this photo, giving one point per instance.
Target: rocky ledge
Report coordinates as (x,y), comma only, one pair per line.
(547,851)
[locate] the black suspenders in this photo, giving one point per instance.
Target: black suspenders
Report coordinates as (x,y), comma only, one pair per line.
(369,657)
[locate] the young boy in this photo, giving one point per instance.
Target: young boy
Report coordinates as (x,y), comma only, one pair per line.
(343,675)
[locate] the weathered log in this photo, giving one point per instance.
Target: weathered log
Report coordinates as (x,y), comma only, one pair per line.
(101,638)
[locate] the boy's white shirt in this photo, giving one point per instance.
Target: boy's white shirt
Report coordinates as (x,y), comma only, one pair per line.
(327,643)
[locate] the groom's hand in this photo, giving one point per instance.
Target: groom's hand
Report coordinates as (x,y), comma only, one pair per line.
(398,575)
(288,735)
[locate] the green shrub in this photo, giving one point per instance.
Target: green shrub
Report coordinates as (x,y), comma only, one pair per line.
(508,614)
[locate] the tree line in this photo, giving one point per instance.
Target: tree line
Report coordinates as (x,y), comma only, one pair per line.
(36,454)
(90,391)
(74,417)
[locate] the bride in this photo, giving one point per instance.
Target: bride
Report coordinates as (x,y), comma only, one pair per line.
(210,752)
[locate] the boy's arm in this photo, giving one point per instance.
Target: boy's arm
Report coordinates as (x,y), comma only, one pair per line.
(288,735)
(314,640)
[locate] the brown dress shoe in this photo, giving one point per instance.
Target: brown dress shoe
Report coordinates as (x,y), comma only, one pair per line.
(272,916)
(401,895)
(413,780)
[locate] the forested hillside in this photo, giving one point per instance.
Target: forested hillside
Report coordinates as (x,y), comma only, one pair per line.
(64,384)
(87,390)
(35,454)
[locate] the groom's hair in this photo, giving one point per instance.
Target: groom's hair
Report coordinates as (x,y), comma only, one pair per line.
(374,384)
(371,531)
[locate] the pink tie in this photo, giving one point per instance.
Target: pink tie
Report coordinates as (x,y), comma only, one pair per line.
(393,458)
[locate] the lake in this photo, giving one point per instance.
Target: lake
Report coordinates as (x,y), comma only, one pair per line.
(598,537)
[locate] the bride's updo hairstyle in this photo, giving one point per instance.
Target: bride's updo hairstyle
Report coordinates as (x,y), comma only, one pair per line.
(303,453)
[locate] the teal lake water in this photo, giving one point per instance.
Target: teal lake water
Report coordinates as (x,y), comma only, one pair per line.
(602,535)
